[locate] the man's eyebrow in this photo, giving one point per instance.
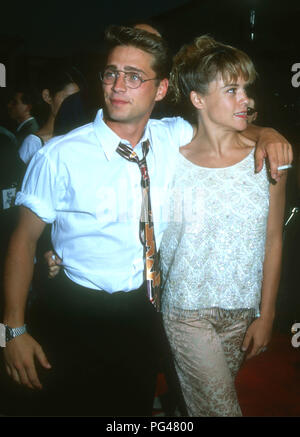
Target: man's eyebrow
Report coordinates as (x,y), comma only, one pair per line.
(126,68)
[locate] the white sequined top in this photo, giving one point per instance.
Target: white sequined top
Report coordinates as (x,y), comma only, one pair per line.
(213,250)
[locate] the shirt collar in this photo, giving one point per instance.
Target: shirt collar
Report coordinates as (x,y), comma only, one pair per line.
(23,122)
(109,140)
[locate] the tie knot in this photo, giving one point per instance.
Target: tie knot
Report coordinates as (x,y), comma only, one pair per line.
(128,153)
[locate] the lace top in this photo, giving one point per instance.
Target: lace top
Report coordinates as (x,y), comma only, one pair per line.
(212,252)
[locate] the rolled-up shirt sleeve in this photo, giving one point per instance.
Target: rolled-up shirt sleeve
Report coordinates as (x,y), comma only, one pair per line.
(40,188)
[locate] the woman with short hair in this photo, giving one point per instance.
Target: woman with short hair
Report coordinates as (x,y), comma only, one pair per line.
(221,252)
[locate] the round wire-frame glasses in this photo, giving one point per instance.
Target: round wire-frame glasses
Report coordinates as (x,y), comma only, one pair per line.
(132,79)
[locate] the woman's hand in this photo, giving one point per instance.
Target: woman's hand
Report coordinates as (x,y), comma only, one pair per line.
(257,337)
(53,262)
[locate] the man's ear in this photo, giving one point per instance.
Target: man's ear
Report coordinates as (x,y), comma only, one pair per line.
(197,100)
(162,89)
(46,96)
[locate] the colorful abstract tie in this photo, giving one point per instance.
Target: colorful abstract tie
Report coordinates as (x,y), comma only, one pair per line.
(147,237)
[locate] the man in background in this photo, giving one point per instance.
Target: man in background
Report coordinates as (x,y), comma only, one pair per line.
(20,110)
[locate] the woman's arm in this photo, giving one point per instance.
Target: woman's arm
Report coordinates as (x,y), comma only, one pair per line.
(259,332)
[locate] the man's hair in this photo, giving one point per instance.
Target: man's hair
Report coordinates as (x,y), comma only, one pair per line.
(148,42)
(28,95)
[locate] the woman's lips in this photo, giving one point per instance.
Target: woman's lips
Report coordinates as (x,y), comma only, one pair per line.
(242,115)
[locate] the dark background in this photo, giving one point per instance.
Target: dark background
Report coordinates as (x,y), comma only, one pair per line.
(32,32)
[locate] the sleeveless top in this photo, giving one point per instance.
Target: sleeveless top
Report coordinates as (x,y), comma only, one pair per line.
(212,251)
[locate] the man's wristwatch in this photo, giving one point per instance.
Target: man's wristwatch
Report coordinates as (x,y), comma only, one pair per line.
(11,333)
(7,333)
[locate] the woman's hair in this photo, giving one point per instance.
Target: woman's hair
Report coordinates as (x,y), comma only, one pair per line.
(198,64)
(54,78)
(143,40)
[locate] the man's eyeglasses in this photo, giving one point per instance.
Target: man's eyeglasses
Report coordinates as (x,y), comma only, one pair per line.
(131,78)
(250,111)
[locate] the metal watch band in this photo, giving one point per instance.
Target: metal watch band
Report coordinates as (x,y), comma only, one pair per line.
(14,332)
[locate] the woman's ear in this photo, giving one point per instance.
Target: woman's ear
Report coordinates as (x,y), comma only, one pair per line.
(46,96)
(196,99)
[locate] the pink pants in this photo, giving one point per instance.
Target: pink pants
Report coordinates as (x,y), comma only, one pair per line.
(207,354)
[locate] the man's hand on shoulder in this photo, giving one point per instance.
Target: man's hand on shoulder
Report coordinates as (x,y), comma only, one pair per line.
(271,145)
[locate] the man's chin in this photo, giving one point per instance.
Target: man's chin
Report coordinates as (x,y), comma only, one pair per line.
(114,116)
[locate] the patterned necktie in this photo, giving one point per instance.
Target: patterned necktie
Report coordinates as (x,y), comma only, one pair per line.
(147,237)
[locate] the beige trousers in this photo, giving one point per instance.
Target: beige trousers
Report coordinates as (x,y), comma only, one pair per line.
(207,354)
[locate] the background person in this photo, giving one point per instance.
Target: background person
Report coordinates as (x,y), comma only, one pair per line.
(55,85)
(251,111)
(20,108)
(11,172)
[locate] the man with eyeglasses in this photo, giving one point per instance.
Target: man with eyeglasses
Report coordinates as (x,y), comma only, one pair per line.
(100,334)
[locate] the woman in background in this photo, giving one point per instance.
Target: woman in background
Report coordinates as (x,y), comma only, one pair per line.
(56,85)
(221,252)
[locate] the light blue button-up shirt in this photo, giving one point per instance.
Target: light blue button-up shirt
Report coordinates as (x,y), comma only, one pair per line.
(92,196)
